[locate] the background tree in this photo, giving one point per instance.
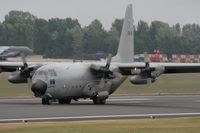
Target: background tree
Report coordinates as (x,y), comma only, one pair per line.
(117,24)
(77,43)
(192,33)
(65,38)
(19,28)
(112,41)
(2,34)
(94,36)
(142,38)
(41,36)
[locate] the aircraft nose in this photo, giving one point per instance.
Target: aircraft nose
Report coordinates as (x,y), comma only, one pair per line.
(39,87)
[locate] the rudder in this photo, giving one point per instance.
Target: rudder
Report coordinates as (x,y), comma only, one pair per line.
(125,53)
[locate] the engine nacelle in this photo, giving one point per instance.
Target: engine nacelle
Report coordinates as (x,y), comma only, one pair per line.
(18,78)
(139,80)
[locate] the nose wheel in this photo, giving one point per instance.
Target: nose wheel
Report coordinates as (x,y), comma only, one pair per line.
(45,101)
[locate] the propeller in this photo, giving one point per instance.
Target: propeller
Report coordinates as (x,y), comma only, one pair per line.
(107,72)
(104,72)
(147,70)
(25,71)
(109,58)
(106,69)
(152,74)
(146,60)
(24,60)
(147,65)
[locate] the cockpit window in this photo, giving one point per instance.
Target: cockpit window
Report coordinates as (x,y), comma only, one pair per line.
(42,72)
(52,72)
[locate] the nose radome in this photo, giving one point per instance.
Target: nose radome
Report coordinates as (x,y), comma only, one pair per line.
(39,87)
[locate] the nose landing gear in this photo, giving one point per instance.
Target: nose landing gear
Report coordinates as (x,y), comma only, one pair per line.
(45,101)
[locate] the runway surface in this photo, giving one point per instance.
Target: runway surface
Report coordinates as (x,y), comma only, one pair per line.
(15,110)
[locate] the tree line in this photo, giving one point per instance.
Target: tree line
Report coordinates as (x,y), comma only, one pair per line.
(65,38)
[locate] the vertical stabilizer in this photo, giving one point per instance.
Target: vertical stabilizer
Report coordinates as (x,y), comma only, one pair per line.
(125,50)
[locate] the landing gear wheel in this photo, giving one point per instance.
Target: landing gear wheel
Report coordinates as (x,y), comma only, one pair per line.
(45,101)
(64,101)
(103,101)
(99,101)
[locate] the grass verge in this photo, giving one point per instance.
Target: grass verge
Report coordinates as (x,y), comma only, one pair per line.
(177,125)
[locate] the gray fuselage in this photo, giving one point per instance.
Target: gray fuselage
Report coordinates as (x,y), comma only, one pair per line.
(73,80)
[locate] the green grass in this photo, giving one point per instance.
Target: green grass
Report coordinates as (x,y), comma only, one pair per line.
(166,84)
(178,125)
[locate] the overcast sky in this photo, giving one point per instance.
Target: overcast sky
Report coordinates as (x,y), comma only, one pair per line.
(170,11)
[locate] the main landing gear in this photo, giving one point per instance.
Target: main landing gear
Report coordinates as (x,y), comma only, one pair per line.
(99,101)
(46,101)
(64,101)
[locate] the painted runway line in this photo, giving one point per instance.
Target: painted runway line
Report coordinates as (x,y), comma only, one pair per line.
(198,101)
(136,116)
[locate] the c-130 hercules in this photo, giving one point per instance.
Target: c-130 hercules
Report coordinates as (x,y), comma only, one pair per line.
(94,80)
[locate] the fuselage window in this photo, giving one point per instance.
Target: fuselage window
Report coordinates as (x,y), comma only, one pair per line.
(52,82)
(52,72)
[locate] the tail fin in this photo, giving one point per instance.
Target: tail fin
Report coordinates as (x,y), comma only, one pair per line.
(125,50)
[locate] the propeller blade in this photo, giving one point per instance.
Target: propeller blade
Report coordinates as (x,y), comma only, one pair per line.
(146,57)
(25,70)
(24,60)
(104,70)
(109,58)
(147,65)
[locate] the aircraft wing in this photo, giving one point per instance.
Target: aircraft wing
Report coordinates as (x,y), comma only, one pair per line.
(128,68)
(13,66)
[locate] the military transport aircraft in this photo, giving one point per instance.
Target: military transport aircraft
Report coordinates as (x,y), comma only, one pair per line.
(94,80)
(14,51)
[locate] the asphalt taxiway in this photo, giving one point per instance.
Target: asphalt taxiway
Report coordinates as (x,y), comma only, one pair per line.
(17,110)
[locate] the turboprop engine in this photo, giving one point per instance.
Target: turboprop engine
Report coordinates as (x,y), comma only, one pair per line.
(18,78)
(147,75)
(139,80)
(24,73)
